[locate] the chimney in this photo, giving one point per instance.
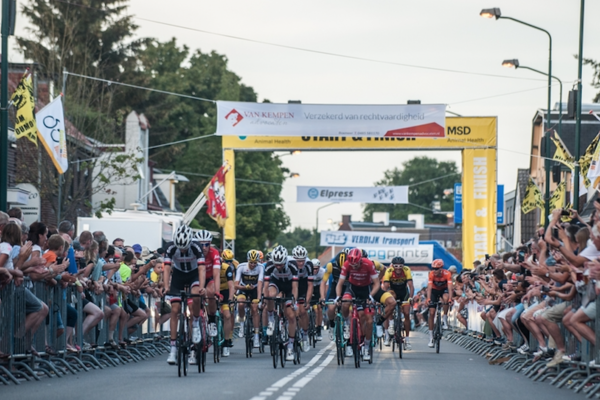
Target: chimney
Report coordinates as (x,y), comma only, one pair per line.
(419,220)
(346,224)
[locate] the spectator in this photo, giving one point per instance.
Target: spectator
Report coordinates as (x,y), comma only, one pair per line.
(4,218)
(67,227)
(16,214)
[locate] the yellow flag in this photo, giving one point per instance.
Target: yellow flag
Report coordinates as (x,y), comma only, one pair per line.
(557,200)
(25,105)
(533,197)
(562,154)
(586,160)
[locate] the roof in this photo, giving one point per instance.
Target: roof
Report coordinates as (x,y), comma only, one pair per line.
(398,224)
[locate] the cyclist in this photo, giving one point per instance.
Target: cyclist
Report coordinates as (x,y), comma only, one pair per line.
(227,290)
(184,266)
(305,291)
(249,284)
(398,281)
(281,274)
(212,263)
(439,286)
(379,267)
(318,274)
(363,285)
(332,274)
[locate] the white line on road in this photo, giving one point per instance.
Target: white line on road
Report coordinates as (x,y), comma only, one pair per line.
(284,381)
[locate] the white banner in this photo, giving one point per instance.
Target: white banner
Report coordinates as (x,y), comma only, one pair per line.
(51,126)
(373,195)
(368,239)
(371,121)
(419,254)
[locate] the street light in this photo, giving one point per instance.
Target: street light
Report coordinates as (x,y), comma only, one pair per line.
(495,13)
(317,228)
(514,63)
(294,175)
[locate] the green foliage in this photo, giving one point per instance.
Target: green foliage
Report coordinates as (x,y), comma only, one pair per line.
(596,77)
(412,173)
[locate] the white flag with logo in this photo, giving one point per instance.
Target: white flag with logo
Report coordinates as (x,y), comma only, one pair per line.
(594,171)
(51,127)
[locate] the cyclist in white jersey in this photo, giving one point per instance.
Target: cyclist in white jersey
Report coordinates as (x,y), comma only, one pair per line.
(249,285)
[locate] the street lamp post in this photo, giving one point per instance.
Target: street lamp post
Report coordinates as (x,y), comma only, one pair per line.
(514,63)
(495,13)
(317,228)
(578,115)
(4,109)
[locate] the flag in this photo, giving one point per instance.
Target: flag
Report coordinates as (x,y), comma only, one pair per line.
(533,198)
(557,200)
(215,197)
(51,128)
(562,154)
(586,160)
(594,167)
(25,106)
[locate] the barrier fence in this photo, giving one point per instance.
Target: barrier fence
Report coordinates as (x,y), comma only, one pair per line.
(59,346)
(581,376)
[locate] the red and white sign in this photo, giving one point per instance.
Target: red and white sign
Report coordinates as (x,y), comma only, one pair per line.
(268,119)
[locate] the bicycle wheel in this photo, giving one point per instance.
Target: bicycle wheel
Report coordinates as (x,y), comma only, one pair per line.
(179,359)
(203,359)
(185,363)
(248,326)
(298,349)
(275,341)
(438,332)
(198,349)
(355,345)
(398,334)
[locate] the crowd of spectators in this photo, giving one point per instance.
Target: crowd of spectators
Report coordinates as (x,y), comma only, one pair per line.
(541,294)
(88,266)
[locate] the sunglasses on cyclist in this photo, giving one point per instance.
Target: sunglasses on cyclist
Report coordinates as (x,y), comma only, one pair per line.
(397,265)
(205,244)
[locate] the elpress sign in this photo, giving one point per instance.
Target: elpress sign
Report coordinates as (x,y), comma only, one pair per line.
(373,121)
(368,239)
(419,254)
(378,195)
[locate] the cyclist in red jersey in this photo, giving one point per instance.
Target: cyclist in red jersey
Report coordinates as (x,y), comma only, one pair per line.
(212,264)
(440,286)
(363,285)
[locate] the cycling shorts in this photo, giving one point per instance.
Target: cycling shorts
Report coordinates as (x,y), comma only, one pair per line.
(283,287)
(361,295)
(437,295)
(243,295)
(179,280)
(401,293)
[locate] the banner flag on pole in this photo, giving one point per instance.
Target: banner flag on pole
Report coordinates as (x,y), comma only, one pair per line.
(586,160)
(562,154)
(215,195)
(557,200)
(25,109)
(533,197)
(51,127)
(594,168)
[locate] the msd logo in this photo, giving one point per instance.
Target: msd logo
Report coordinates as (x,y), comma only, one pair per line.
(234,117)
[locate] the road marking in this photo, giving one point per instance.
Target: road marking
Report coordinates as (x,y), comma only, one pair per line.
(291,392)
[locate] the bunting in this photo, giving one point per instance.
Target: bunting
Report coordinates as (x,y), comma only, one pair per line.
(562,154)
(533,197)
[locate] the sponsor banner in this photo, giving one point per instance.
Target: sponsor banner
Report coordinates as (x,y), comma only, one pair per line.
(229,230)
(419,254)
(268,119)
(373,195)
(461,133)
(479,205)
(368,239)
(458,204)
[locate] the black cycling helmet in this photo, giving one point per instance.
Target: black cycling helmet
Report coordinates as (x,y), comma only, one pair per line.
(365,254)
(398,260)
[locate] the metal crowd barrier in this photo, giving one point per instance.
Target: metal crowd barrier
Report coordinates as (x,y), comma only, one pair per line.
(576,375)
(26,357)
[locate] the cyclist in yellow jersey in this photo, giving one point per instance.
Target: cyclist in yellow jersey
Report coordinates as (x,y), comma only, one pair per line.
(227,276)
(398,281)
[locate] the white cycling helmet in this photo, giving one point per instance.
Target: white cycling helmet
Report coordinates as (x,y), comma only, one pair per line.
(316,263)
(299,252)
(279,255)
(183,237)
(203,236)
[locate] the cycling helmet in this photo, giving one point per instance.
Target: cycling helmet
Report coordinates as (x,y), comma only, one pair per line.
(203,236)
(279,255)
(316,263)
(299,252)
(347,250)
(253,256)
(261,256)
(341,259)
(268,257)
(183,237)
(354,256)
(398,260)
(227,255)
(437,264)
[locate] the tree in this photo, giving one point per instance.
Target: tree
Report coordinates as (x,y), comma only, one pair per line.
(596,77)
(302,237)
(427,179)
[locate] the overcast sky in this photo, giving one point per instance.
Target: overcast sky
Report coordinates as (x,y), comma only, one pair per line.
(441,34)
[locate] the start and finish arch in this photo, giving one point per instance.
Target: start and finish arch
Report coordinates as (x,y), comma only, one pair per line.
(476,137)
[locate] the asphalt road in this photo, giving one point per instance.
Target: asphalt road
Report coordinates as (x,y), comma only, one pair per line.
(452,374)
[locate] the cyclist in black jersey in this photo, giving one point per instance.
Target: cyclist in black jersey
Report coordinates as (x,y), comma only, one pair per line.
(184,266)
(305,290)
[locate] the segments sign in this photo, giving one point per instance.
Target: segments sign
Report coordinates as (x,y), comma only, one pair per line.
(373,121)
(372,195)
